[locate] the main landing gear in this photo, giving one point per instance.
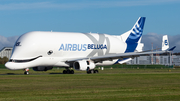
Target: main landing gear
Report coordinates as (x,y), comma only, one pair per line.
(92,71)
(26,71)
(67,71)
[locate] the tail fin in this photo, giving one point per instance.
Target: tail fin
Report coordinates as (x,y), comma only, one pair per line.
(133,37)
(165,42)
(136,31)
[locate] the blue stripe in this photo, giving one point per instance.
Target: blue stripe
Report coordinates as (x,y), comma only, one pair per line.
(120,60)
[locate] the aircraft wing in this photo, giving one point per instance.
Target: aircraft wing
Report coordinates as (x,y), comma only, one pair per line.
(128,55)
(117,56)
(121,56)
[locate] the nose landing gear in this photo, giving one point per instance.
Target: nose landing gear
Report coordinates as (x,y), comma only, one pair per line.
(26,71)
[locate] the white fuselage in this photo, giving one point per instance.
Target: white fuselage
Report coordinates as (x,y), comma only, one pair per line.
(55,48)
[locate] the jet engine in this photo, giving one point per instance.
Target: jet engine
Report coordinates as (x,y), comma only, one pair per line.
(41,68)
(83,65)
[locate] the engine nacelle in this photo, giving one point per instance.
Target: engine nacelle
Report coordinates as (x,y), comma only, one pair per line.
(83,65)
(41,68)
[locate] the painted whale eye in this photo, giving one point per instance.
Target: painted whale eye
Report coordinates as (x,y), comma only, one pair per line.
(50,52)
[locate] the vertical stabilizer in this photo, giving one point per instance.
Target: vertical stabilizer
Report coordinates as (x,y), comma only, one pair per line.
(165,42)
(133,37)
(136,31)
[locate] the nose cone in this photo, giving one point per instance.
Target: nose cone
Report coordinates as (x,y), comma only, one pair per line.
(14,66)
(9,65)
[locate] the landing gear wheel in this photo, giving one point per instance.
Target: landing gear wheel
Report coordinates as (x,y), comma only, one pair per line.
(96,71)
(68,71)
(92,71)
(72,71)
(26,72)
(89,72)
(64,72)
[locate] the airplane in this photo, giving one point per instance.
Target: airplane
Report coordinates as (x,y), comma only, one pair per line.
(42,50)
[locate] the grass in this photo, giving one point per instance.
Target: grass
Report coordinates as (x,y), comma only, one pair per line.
(108,85)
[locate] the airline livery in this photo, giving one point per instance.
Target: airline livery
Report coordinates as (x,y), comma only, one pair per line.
(83,51)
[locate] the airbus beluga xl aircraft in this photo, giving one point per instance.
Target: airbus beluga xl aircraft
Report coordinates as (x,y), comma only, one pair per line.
(83,51)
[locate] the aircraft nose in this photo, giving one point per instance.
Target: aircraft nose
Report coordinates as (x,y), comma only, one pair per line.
(9,65)
(14,66)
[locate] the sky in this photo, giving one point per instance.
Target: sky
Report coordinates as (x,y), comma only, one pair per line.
(112,17)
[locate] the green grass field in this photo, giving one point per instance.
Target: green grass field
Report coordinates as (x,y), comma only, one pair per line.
(121,84)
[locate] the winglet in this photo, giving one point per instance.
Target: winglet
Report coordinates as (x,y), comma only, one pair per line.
(171,49)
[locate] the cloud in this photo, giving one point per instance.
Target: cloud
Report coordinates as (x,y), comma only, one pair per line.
(82,5)
(7,41)
(156,39)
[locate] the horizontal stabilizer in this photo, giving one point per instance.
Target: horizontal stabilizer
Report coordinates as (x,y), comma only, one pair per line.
(125,60)
(171,49)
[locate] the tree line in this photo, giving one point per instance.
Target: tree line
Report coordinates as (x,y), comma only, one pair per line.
(176,53)
(3,60)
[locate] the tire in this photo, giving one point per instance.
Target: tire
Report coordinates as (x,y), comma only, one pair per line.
(92,71)
(96,71)
(68,71)
(88,72)
(64,72)
(26,72)
(72,71)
